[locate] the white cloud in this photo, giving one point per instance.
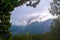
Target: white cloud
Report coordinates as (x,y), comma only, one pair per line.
(45,15)
(20,15)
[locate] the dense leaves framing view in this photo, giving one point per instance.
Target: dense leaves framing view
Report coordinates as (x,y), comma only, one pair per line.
(29,19)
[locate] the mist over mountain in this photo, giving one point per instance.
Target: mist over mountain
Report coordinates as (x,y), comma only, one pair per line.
(33,28)
(28,19)
(37,18)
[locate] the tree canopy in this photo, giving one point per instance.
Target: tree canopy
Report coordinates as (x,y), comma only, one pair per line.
(55,7)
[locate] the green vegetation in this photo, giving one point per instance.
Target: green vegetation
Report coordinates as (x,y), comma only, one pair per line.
(31,37)
(45,36)
(6,6)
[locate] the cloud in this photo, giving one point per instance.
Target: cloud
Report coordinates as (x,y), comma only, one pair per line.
(20,15)
(22,20)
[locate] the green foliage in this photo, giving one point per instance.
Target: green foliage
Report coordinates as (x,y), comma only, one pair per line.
(22,37)
(44,36)
(55,30)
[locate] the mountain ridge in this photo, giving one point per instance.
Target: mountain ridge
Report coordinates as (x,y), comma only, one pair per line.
(33,28)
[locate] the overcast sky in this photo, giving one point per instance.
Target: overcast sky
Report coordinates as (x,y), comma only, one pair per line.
(23,11)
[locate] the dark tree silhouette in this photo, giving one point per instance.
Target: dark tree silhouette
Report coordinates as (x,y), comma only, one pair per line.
(55,7)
